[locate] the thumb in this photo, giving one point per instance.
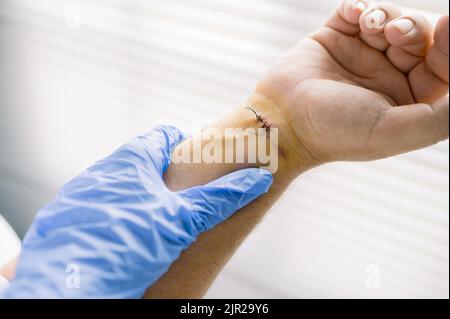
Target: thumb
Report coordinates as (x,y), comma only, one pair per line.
(218,200)
(153,149)
(407,128)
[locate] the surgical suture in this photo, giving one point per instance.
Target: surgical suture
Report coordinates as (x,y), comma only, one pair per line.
(266,124)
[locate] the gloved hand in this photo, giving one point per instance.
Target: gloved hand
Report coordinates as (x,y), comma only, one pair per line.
(115,229)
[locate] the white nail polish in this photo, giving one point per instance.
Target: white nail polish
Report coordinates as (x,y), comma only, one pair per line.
(404,25)
(376,19)
(360,5)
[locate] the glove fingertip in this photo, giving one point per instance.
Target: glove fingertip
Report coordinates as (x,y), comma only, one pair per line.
(255,179)
(266,178)
(172,134)
(257,182)
(159,144)
(218,200)
(244,186)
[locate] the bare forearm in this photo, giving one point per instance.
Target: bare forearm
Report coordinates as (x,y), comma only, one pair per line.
(193,273)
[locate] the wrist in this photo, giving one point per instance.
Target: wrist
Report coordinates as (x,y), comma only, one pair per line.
(293,156)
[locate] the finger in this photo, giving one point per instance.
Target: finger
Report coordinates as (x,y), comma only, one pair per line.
(410,38)
(154,149)
(429,79)
(219,199)
(410,127)
(346,18)
(373,22)
(437,58)
(441,40)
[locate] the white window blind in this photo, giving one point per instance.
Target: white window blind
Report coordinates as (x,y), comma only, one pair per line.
(81,77)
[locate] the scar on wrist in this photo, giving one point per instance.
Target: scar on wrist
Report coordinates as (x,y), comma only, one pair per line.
(265,122)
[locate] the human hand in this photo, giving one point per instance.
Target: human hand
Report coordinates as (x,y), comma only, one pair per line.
(116,228)
(369,84)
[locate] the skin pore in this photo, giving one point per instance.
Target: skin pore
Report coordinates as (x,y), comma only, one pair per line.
(354,90)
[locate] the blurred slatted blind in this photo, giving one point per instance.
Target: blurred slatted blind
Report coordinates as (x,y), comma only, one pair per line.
(81,77)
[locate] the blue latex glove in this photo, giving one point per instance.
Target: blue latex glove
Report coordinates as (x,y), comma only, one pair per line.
(116,228)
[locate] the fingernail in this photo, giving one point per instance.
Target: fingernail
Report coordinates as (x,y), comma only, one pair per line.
(360,5)
(404,25)
(376,19)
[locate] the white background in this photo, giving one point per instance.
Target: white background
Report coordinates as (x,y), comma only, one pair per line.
(79,78)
